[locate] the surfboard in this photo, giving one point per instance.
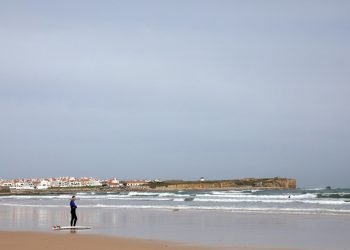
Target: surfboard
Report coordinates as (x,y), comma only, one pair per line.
(57,227)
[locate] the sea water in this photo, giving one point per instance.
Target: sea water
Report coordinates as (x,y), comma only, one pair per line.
(300,218)
(296,201)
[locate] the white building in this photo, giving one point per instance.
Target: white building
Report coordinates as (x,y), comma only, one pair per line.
(93,183)
(7,184)
(75,183)
(23,186)
(43,184)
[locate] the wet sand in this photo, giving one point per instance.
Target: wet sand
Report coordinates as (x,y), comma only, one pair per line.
(65,241)
(213,230)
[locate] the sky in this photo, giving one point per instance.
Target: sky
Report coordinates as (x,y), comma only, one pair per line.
(176,89)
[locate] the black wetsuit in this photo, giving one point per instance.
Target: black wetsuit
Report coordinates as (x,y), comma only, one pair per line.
(74,217)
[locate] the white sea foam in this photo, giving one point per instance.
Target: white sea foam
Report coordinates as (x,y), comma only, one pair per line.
(37,197)
(260,197)
(179,199)
(324,202)
(227,192)
(142,194)
(166,194)
(314,189)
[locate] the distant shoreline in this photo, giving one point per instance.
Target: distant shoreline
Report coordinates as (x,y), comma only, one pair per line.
(166,186)
(118,190)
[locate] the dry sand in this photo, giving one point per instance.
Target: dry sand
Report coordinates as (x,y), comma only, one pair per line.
(69,241)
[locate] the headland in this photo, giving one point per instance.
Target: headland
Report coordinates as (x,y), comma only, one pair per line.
(247,183)
(169,185)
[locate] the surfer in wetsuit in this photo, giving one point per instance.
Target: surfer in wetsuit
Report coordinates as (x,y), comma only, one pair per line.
(73,207)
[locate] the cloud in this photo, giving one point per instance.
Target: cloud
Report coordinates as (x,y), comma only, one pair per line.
(174,90)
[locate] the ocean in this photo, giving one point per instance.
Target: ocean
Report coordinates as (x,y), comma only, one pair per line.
(300,218)
(296,201)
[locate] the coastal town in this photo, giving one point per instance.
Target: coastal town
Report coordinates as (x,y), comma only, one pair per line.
(69,182)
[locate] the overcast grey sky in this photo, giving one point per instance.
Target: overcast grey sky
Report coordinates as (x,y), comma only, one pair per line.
(176,89)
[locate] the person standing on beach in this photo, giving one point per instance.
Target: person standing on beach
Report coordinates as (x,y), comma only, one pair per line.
(73,208)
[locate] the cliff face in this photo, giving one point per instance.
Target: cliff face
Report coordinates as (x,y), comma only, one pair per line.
(266,183)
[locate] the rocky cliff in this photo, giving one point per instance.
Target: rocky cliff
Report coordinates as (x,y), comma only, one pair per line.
(248,183)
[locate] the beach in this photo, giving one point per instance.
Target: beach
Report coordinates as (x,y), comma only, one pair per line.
(44,241)
(148,219)
(58,241)
(178,229)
